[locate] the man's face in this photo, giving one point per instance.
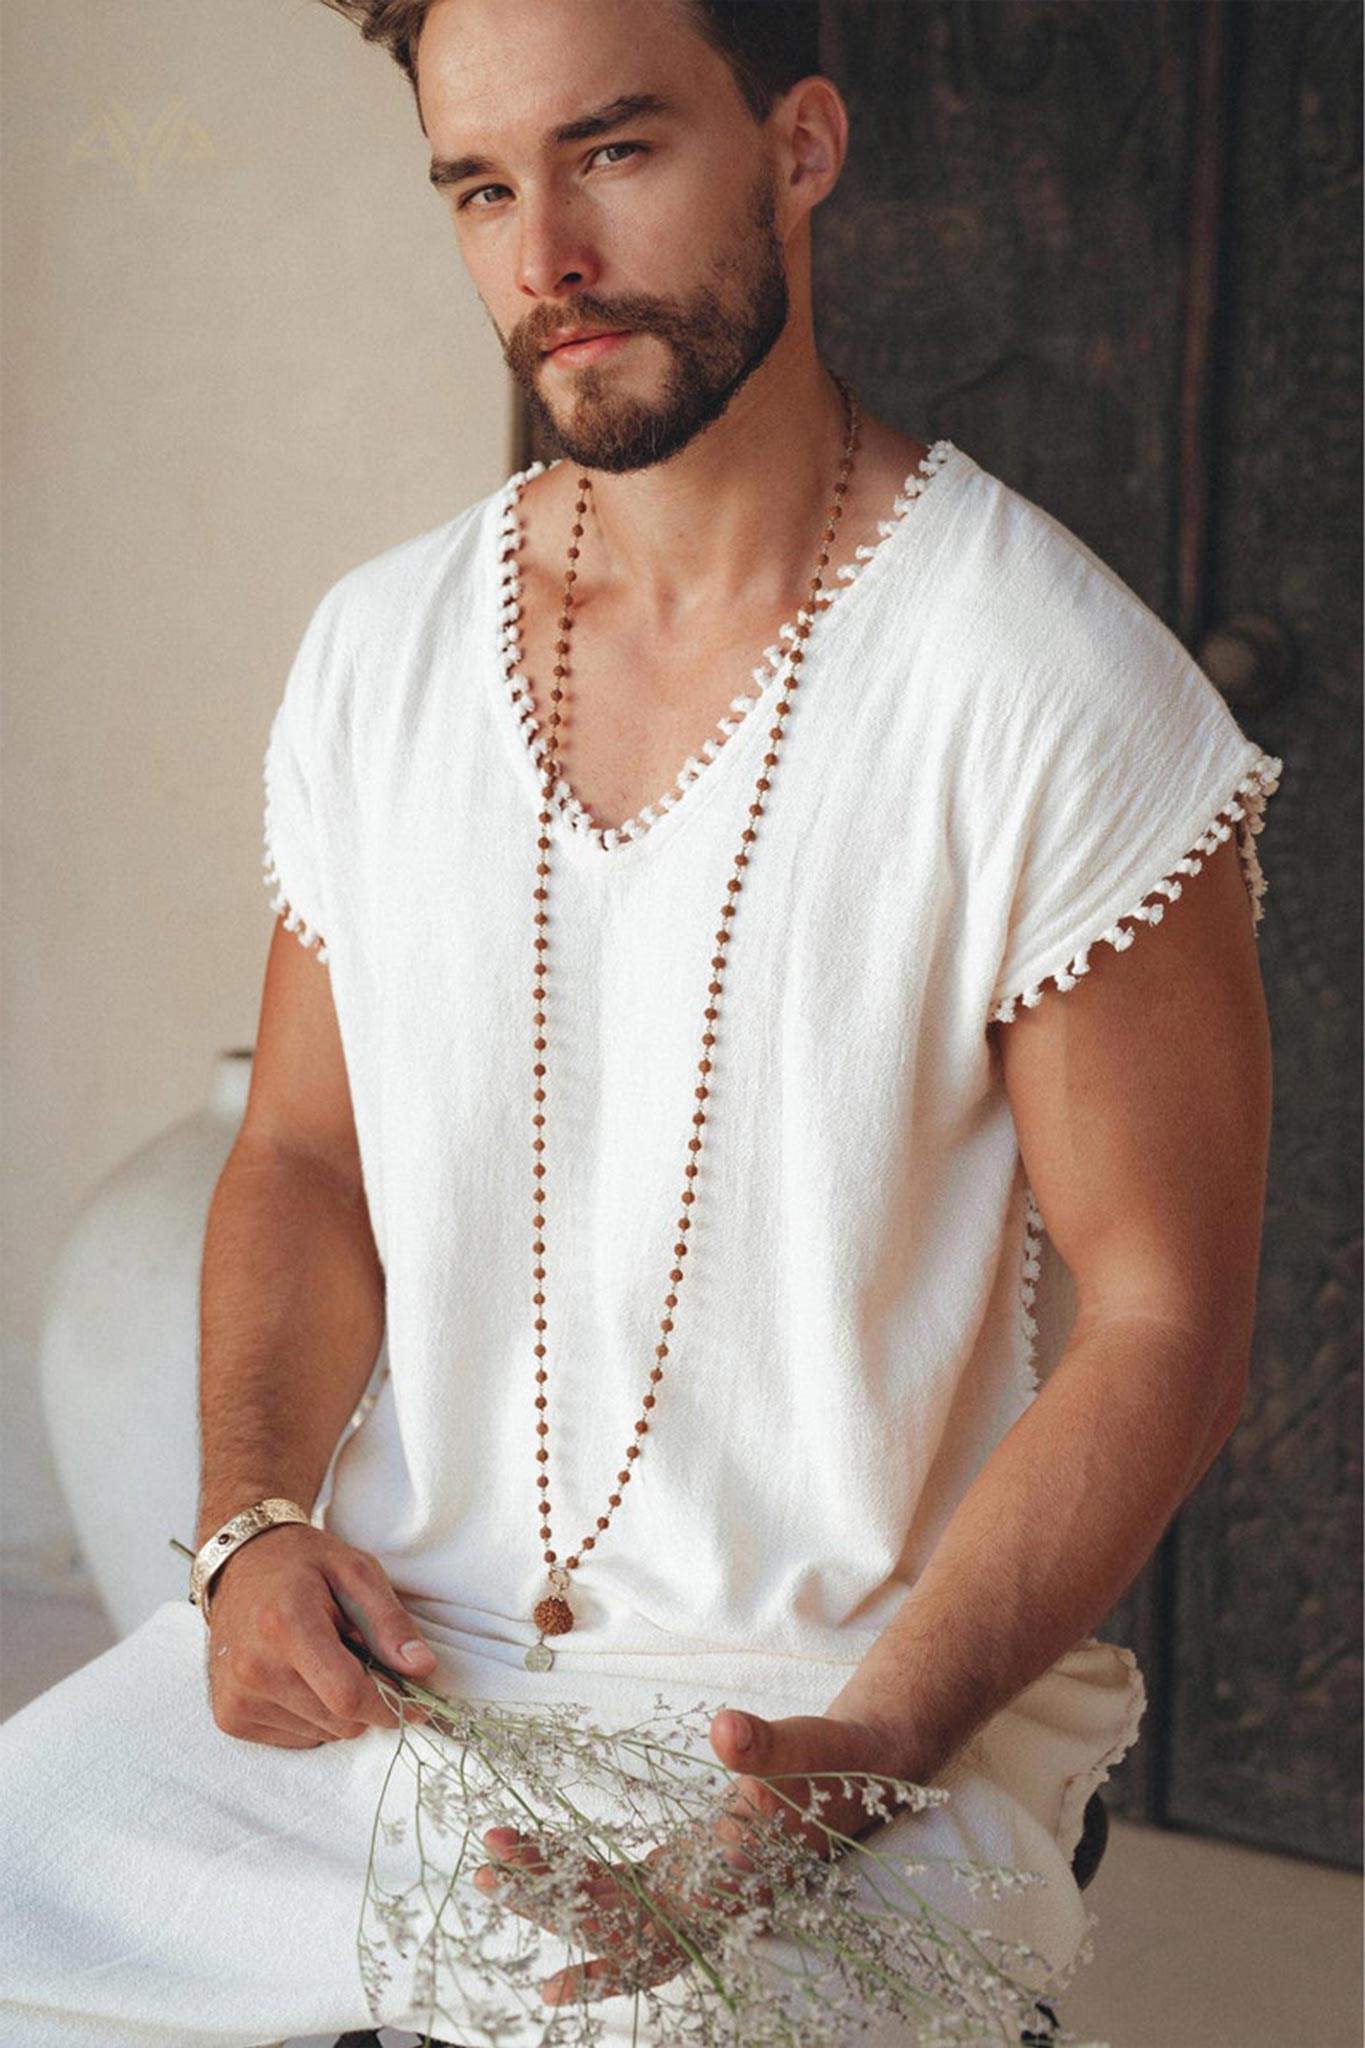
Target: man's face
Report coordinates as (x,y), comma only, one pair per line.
(658,226)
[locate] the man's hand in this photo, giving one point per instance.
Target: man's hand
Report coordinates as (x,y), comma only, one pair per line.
(635,1948)
(282,1611)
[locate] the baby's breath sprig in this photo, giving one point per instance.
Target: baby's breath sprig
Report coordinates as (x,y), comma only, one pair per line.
(797,1943)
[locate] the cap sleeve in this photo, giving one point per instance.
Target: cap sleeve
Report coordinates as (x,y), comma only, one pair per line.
(1122,769)
(293,865)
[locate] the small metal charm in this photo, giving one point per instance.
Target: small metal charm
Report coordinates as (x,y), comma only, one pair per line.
(552,1617)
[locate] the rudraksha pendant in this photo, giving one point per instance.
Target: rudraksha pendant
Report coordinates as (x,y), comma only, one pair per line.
(553,1616)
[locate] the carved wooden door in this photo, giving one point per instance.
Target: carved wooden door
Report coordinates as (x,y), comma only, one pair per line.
(1112,248)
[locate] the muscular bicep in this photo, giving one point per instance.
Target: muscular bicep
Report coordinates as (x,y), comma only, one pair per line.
(1142,1102)
(300,1097)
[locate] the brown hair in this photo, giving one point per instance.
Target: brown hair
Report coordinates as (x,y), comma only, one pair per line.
(768,44)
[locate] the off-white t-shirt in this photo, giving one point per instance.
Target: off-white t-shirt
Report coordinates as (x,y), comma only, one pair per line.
(997,761)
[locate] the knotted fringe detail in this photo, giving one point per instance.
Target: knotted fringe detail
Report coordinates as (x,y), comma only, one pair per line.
(771,672)
(1031,1266)
(1244,813)
(294,921)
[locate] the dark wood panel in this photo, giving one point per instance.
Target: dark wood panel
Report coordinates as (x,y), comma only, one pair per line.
(1002,260)
(1266,1730)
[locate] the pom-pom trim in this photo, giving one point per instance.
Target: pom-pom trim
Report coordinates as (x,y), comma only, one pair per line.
(294,920)
(1244,813)
(1030,1270)
(771,671)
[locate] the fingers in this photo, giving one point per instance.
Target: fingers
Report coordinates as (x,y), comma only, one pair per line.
(363,1591)
(254,1688)
(716,1891)
(294,1630)
(809,1807)
(511,1852)
(606,1976)
(514,1854)
(276,1727)
(258,1695)
(334,1676)
(641,1950)
(394,1681)
(294,1699)
(287,1732)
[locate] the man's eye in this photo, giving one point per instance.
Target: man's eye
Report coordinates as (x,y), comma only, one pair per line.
(469,199)
(477,193)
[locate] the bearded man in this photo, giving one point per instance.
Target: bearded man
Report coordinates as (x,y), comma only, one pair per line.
(769,897)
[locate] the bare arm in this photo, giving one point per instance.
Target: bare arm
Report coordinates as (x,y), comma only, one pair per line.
(1142,1102)
(292,1317)
(292,1291)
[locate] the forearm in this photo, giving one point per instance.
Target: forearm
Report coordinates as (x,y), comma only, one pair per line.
(291,1320)
(1053,1529)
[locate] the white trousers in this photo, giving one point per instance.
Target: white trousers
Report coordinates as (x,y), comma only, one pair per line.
(166,1885)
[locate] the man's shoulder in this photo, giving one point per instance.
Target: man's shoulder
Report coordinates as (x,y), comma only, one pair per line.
(1019,587)
(370,629)
(382,590)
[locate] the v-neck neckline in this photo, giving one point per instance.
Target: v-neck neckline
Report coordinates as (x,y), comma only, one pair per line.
(576,831)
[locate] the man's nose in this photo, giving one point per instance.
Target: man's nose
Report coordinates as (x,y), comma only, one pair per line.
(554,254)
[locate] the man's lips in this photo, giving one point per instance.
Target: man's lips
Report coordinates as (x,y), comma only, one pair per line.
(586,348)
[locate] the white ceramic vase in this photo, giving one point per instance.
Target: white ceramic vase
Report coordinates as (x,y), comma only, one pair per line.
(119,1355)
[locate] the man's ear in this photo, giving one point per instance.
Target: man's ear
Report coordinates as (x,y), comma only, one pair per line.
(811,123)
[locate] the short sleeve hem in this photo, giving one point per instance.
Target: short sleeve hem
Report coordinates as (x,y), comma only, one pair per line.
(284,871)
(1244,813)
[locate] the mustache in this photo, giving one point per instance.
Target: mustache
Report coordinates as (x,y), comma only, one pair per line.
(633,315)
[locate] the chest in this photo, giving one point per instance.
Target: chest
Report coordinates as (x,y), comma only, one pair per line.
(638,705)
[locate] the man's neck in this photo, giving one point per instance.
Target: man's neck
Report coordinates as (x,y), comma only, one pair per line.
(745,501)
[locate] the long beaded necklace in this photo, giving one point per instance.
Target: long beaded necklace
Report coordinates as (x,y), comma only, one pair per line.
(553,1615)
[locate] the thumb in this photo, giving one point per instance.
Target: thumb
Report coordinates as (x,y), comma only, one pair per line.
(414,1653)
(799,1742)
(742,1741)
(389,1631)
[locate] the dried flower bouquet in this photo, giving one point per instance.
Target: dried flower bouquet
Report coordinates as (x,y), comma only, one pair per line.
(653,1867)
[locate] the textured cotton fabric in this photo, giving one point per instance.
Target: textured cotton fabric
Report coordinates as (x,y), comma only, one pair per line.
(165,1885)
(997,761)
(995,754)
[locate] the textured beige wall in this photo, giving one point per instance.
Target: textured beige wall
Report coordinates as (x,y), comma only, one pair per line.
(240,356)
